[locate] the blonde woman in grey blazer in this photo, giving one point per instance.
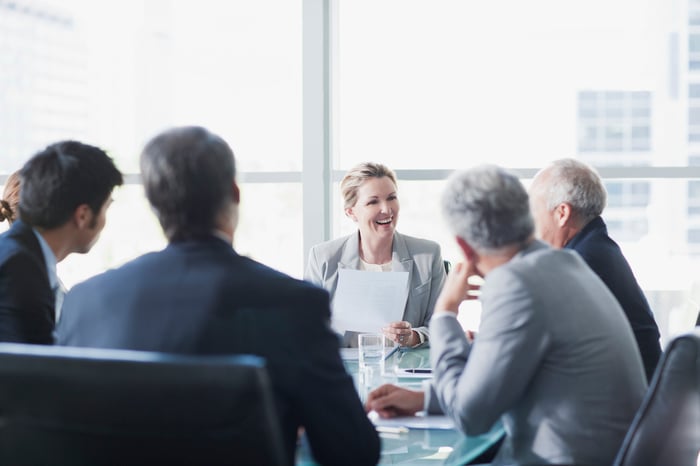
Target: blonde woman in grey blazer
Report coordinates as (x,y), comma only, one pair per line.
(369,192)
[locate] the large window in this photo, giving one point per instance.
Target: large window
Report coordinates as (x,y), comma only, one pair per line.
(305,89)
(430,85)
(113,73)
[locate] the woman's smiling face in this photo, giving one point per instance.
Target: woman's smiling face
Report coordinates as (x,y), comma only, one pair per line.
(376,211)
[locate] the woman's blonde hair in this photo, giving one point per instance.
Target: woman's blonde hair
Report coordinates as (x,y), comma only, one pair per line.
(357,175)
(10,199)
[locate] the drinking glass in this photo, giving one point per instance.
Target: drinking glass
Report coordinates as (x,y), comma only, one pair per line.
(371,350)
(371,362)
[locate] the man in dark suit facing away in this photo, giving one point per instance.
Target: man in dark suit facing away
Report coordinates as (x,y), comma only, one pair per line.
(65,192)
(198,296)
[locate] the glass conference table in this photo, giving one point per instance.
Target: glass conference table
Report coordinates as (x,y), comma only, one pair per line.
(433,442)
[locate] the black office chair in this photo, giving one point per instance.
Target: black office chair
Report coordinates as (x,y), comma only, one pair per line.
(74,406)
(666,429)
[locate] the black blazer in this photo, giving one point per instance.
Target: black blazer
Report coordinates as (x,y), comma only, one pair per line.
(604,256)
(27,303)
(201,297)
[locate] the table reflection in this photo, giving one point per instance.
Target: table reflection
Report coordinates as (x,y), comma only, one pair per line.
(414,446)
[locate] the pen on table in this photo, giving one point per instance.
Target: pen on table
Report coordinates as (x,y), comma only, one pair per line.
(391,430)
(391,353)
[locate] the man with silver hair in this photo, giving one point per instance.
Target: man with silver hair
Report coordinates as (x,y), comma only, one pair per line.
(554,358)
(567,198)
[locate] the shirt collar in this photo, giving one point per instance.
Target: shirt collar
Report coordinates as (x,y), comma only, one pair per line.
(49,259)
(222,236)
(596,223)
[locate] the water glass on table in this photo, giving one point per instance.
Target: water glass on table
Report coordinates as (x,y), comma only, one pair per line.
(373,348)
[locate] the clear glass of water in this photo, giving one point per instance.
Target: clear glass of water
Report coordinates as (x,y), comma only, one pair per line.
(371,350)
(371,361)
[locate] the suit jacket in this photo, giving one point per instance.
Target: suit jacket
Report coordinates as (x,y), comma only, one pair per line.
(27,302)
(421,258)
(604,256)
(200,297)
(554,358)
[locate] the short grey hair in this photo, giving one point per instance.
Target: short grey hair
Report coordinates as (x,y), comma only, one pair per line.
(577,184)
(488,207)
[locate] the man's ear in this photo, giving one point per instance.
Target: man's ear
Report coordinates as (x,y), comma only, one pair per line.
(563,214)
(235,193)
(468,251)
(82,216)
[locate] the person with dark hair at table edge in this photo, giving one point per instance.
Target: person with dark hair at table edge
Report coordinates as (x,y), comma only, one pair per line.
(64,193)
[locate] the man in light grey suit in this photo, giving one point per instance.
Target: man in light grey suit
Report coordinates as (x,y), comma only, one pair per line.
(555,358)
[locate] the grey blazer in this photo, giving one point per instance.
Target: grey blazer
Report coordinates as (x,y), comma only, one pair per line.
(421,258)
(555,359)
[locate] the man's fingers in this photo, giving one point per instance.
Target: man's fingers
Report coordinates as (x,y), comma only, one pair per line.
(386,413)
(390,401)
(379,392)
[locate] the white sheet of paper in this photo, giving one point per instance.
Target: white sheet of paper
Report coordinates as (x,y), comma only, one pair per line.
(367,301)
(414,422)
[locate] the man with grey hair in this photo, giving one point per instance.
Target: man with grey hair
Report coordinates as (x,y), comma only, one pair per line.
(554,357)
(567,199)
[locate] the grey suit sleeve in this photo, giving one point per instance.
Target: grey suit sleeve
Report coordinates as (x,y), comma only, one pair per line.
(476,385)
(431,405)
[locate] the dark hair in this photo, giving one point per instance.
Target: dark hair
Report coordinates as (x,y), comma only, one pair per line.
(10,199)
(187,173)
(62,177)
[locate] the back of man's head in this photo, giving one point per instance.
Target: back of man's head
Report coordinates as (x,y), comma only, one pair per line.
(488,208)
(62,177)
(188,175)
(575,183)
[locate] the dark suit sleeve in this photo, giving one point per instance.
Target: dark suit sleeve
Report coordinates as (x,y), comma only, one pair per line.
(26,302)
(332,414)
(605,258)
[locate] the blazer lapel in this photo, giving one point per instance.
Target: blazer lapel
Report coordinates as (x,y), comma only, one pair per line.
(350,255)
